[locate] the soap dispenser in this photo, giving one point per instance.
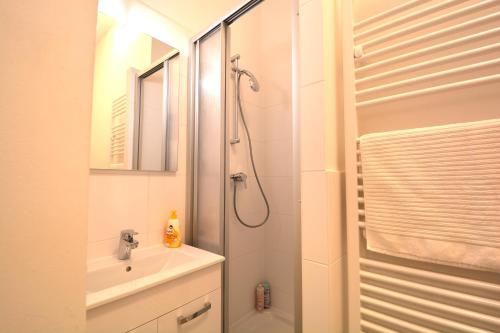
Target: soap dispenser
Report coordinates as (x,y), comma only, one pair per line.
(172,235)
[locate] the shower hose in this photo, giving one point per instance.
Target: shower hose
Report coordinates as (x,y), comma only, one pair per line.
(250,150)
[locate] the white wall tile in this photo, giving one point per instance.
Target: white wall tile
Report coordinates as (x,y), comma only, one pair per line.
(281,234)
(279,271)
(312,127)
(102,248)
(315,297)
(142,202)
(254,118)
(244,274)
(272,123)
(314,216)
(244,240)
(273,158)
(322,218)
(336,295)
(273,232)
(166,192)
(249,201)
(116,202)
(284,302)
(335,215)
(279,194)
(311,42)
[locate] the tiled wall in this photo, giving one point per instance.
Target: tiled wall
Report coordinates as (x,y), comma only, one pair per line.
(137,200)
(323,254)
(263,39)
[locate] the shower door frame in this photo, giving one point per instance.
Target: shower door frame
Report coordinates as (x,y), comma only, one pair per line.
(353,301)
(192,167)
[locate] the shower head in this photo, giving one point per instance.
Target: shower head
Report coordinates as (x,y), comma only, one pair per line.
(254,84)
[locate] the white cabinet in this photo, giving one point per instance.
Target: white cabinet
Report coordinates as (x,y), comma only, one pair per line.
(151,327)
(156,309)
(202,315)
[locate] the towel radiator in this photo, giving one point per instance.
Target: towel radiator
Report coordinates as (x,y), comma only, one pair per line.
(399,298)
(419,53)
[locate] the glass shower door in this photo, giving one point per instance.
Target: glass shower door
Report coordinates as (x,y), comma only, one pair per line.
(209,173)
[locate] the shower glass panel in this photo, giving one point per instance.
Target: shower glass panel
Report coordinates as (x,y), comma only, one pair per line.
(244,206)
(210,145)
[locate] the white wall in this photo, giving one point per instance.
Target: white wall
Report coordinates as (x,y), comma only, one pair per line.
(263,39)
(140,200)
(47,64)
(323,248)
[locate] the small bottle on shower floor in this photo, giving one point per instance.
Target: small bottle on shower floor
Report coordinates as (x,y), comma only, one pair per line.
(267,295)
(259,297)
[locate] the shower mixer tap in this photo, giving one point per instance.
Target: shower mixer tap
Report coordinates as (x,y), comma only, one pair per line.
(239,177)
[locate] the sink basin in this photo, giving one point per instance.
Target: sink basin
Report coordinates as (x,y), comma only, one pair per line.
(109,279)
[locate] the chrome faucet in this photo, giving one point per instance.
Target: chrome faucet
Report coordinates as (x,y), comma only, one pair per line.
(127,243)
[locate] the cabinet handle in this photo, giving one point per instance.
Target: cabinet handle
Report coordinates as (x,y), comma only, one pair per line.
(184,319)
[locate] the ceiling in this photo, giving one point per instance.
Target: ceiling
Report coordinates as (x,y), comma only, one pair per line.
(193,15)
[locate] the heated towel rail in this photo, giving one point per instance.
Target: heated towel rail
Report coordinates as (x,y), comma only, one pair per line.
(413,53)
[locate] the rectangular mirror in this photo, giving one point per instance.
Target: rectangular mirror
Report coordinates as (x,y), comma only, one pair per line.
(135,100)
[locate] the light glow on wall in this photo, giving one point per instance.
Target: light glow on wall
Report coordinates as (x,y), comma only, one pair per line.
(142,19)
(116,9)
(124,37)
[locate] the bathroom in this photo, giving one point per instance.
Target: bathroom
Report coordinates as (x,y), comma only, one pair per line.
(234,166)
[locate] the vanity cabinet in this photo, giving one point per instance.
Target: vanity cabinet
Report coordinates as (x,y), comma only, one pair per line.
(158,309)
(203,315)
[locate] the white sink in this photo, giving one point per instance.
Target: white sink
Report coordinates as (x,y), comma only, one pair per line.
(109,279)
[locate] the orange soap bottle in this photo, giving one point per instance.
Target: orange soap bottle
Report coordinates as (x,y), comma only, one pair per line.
(172,236)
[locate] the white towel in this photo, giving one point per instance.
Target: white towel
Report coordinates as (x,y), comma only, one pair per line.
(433,194)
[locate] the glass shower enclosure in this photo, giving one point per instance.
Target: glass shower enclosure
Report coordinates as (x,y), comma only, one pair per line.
(244,190)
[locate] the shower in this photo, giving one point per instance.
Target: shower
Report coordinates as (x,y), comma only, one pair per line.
(240,177)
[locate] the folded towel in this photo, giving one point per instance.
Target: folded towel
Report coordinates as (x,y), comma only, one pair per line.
(433,194)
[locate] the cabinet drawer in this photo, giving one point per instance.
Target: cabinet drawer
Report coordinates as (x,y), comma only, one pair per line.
(202,315)
(151,327)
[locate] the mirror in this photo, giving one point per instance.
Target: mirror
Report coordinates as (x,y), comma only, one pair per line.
(135,107)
